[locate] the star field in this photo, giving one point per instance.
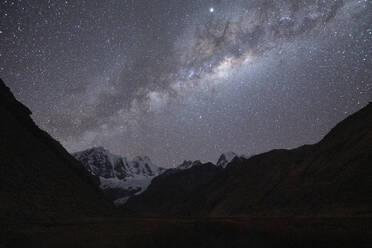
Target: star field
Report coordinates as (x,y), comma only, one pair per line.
(179,80)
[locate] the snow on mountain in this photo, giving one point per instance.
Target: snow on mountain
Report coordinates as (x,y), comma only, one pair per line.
(137,184)
(100,162)
(188,164)
(121,201)
(119,178)
(225,159)
(143,166)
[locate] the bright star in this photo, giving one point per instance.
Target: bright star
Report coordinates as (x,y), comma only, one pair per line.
(211,10)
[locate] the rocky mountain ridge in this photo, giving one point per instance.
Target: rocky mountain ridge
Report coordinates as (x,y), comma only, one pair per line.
(331,177)
(39,179)
(118,177)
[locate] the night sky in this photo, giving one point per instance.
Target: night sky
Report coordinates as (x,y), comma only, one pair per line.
(180,79)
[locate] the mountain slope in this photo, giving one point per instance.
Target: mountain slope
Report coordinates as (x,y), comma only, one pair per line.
(118,177)
(187,164)
(39,180)
(225,159)
(332,177)
(168,193)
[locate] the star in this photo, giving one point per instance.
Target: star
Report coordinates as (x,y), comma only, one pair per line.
(191,82)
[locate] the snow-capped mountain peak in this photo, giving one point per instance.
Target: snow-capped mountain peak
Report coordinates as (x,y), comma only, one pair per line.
(144,166)
(225,159)
(118,176)
(188,164)
(100,162)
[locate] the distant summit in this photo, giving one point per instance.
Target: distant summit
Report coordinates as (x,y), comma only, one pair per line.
(118,177)
(329,178)
(187,164)
(225,159)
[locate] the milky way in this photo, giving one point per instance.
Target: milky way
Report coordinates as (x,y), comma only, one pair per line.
(179,80)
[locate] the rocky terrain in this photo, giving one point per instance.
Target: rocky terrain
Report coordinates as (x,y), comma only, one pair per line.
(39,179)
(118,177)
(314,196)
(331,177)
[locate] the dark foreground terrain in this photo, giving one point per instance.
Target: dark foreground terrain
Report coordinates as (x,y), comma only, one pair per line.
(211,232)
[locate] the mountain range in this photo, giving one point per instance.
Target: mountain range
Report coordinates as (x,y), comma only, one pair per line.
(121,179)
(118,177)
(317,195)
(331,177)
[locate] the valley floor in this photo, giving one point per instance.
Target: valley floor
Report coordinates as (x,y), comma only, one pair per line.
(184,232)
